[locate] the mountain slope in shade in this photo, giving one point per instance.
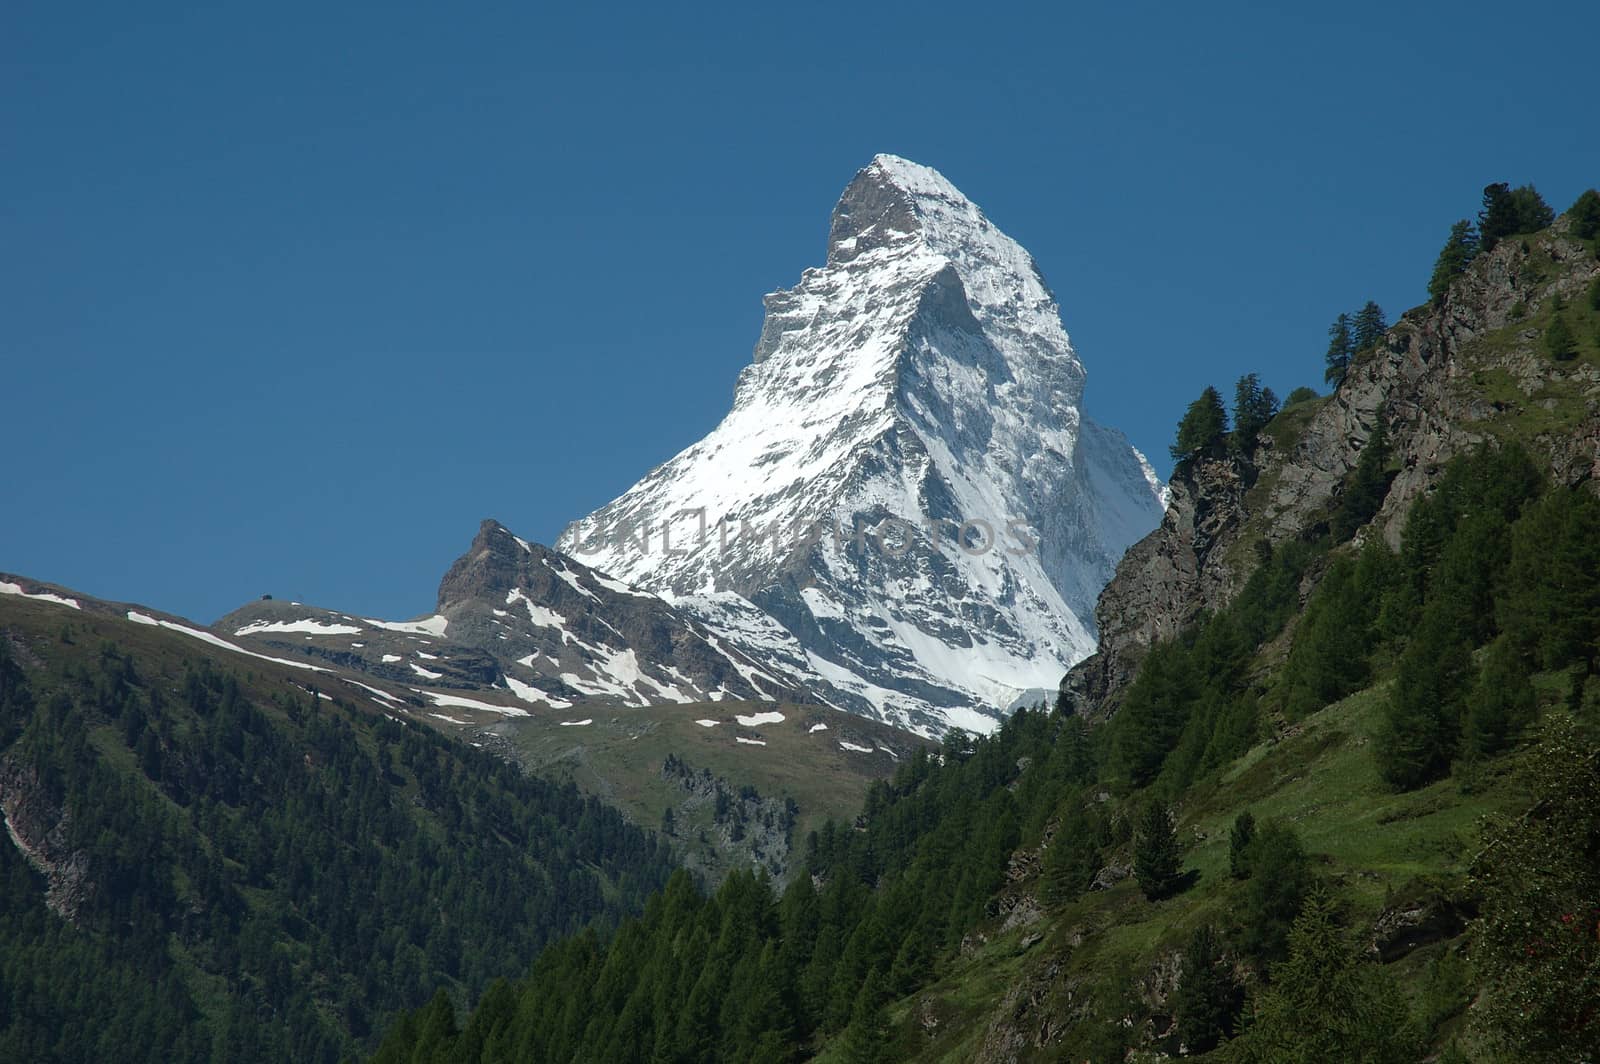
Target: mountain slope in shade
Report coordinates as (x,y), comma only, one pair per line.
(906,504)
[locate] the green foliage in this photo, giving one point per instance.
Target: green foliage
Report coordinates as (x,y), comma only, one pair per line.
(272,879)
(1338,631)
(1367,327)
(1457,548)
(1585,215)
(1300,395)
(1594,293)
(1253,406)
(1550,608)
(1157,856)
(1207,1001)
(1341,346)
(1203,428)
(1510,212)
(1538,939)
(1280,879)
(1500,704)
(1240,837)
(1369,483)
(1559,343)
(1074,855)
(1326,1004)
(1189,710)
(1459,250)
(740,977)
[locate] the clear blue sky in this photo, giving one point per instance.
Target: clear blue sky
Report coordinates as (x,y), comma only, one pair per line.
(291,296)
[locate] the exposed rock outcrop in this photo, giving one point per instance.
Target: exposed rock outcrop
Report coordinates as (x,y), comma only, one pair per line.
(1443,379)
(38,828)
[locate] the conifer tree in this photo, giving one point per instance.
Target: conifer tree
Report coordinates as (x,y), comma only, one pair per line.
(866,1039)
(1459,250)
(1280,879)
(1509,212)
(1367,327)
(1239,840)
(1500,704)
(1203,428)
(1157,857)
(1325,1003)
(1585,215)
(1558,339)
(1341,345)
(1253,406)
(1369,483)
(1537,941)
(1207,999)
(1072,859)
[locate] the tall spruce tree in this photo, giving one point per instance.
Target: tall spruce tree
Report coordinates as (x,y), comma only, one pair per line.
(1326,1003)
(1157,857)
(1253,406)
(1459,250)
(1558,339)
(1367,327)
(1585,215)
(1203,429)
(1341,345)
(1208,997)
(1369,483)
(1509,212)
(1239,840)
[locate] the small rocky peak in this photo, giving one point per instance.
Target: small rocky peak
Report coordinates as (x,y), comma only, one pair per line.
(875,211)
(491,565)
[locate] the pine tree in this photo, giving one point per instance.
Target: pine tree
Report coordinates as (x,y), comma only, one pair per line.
(866,1039)
(1073,858)
(1368,327)
(1207,999)
(1509,212)
(1253,407)
(1326,1004)
(1421,722)
(1203,428)
(1537,941)
(1558,339)
(1369,483)
(1341,345)
(1280,879)
(1157,857)
(1500,705)
(1585,215)
(1239,840)
(1459,250)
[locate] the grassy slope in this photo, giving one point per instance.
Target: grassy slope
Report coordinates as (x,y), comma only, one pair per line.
(619,758)
(1375,844)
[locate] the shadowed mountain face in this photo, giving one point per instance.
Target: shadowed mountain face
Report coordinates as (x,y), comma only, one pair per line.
(906,509)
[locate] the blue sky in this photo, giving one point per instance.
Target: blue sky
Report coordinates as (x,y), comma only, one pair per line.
(291,297)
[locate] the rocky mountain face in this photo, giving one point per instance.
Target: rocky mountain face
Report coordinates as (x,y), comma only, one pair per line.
(526,621)
(905,512)
(1445,378)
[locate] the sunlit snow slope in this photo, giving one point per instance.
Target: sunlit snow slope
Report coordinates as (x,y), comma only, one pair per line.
(919,389)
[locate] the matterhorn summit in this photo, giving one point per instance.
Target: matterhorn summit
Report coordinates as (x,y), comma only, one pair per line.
(905,512)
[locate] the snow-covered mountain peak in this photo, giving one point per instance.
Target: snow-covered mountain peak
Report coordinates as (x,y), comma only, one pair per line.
(922,378)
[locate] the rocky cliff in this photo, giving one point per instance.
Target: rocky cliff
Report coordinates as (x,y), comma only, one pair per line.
(1446,377)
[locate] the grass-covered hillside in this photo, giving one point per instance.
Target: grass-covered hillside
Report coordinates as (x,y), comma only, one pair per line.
(729,785)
